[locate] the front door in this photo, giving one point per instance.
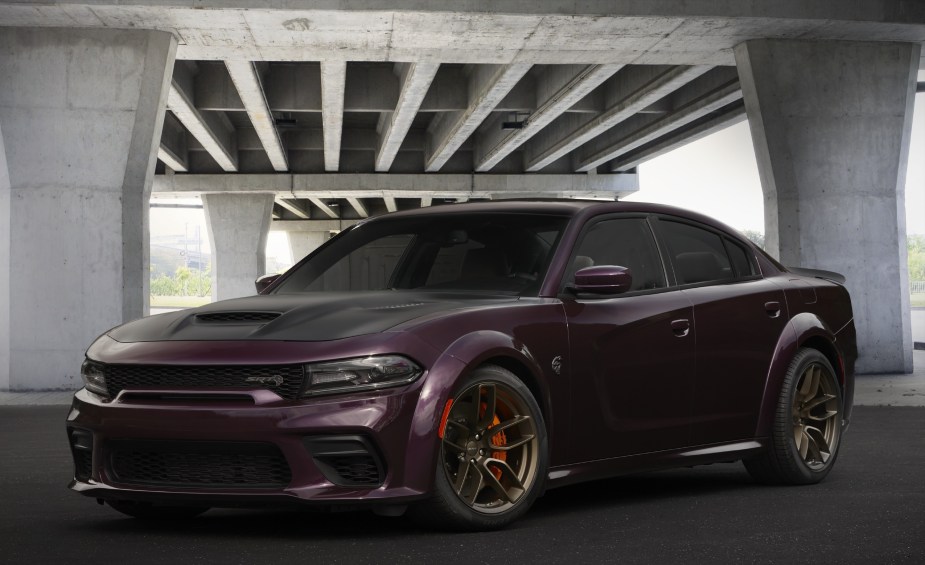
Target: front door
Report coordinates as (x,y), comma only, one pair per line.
(632,355)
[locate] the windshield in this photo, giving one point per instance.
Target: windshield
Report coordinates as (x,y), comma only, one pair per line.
(499,252)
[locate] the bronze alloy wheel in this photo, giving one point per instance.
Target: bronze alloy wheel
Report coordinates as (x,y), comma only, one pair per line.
(816,421)
(807,424)
(492,456)
(490,447)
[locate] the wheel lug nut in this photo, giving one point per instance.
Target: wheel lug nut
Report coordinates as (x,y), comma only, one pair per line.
(472,460)
(481,452)
(477,437)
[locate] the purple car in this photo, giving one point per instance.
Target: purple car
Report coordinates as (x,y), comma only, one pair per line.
(456,361)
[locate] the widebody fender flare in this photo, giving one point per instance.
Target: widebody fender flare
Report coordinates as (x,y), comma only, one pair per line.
(458,360)
(799,330)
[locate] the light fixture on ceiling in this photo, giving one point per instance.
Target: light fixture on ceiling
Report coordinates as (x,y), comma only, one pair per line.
(516,120)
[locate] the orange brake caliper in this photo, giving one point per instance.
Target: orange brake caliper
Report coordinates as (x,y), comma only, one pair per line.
(499,439)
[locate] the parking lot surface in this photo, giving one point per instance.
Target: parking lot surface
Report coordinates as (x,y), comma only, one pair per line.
(871,509)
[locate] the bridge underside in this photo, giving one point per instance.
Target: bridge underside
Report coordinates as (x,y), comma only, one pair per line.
(349,110)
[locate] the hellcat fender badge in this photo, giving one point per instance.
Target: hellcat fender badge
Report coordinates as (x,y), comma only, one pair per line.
(275,380)
(557,364)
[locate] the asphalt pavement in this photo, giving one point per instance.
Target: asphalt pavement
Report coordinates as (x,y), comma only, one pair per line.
(871,509)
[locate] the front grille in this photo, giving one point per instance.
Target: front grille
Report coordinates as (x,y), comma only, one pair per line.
(198,464)
(237,317)
(284,380)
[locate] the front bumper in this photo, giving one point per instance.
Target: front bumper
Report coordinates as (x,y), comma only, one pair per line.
(201,424)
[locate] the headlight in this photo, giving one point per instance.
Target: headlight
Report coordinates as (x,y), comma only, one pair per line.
(94,378)
(359,374)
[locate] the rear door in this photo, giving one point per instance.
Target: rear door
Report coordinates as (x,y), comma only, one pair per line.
(631,354)
(739,317)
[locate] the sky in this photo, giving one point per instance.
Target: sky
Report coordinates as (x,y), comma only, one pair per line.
(716,175)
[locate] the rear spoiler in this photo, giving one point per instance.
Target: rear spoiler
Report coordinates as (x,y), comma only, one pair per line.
(819,274)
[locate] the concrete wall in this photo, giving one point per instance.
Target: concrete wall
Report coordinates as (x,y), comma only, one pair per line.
(80,111)
(831,123)
(238,228)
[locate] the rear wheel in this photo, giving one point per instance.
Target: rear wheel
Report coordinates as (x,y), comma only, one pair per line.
(148,511)
(807,424)
(492,459)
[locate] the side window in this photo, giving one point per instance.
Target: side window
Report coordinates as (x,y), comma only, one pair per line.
(698,255)
(741,262)
(625,242)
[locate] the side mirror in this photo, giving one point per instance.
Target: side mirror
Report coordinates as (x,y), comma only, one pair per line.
(603,279)
(262,283)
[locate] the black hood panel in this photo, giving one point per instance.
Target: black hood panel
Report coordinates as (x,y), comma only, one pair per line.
(302,317)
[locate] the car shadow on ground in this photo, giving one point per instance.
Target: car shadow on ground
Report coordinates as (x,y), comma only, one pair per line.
(616,494)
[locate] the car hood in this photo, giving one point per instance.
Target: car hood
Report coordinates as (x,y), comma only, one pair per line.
(298,317)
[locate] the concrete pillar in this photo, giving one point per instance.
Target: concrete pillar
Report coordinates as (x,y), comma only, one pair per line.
(81,111)
(301,243)
(4,268)
(238,228)
(831,123)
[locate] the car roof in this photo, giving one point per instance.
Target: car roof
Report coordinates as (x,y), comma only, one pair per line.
(562,207)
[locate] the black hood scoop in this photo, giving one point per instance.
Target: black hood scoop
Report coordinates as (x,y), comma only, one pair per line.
(237,317)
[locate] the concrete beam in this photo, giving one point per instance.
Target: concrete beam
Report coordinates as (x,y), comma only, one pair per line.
(381,185)
(487,86)
(309,226)
(333,83)
(173,150)
(674,32)
(731,115)
(632,98)
(323,206)
(619,143)
(247,82)
(426,201)
(212,130)
(294,207)
(559,88)
(390,204)
(358,206)
(171,159)
(415,79)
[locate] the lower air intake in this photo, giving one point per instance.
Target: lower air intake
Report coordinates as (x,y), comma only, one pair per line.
(199,464)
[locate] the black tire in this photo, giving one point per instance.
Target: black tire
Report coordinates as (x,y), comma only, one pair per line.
(806,431)
(148,511)
(468,457)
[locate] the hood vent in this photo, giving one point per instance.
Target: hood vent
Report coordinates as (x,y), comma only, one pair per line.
(237,317)
(397,306)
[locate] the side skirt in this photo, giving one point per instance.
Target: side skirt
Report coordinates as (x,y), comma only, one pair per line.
(653,461)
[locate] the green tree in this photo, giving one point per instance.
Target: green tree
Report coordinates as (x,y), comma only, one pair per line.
(915,246)
(755,237)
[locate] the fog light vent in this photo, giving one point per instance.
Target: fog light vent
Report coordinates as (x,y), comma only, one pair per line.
(347,460)
(82,450)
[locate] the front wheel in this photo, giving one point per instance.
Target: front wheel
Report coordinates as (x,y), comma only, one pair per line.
(807,424)
(492,460)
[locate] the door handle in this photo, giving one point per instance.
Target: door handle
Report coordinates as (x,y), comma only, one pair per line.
(772,308)
(681,327)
